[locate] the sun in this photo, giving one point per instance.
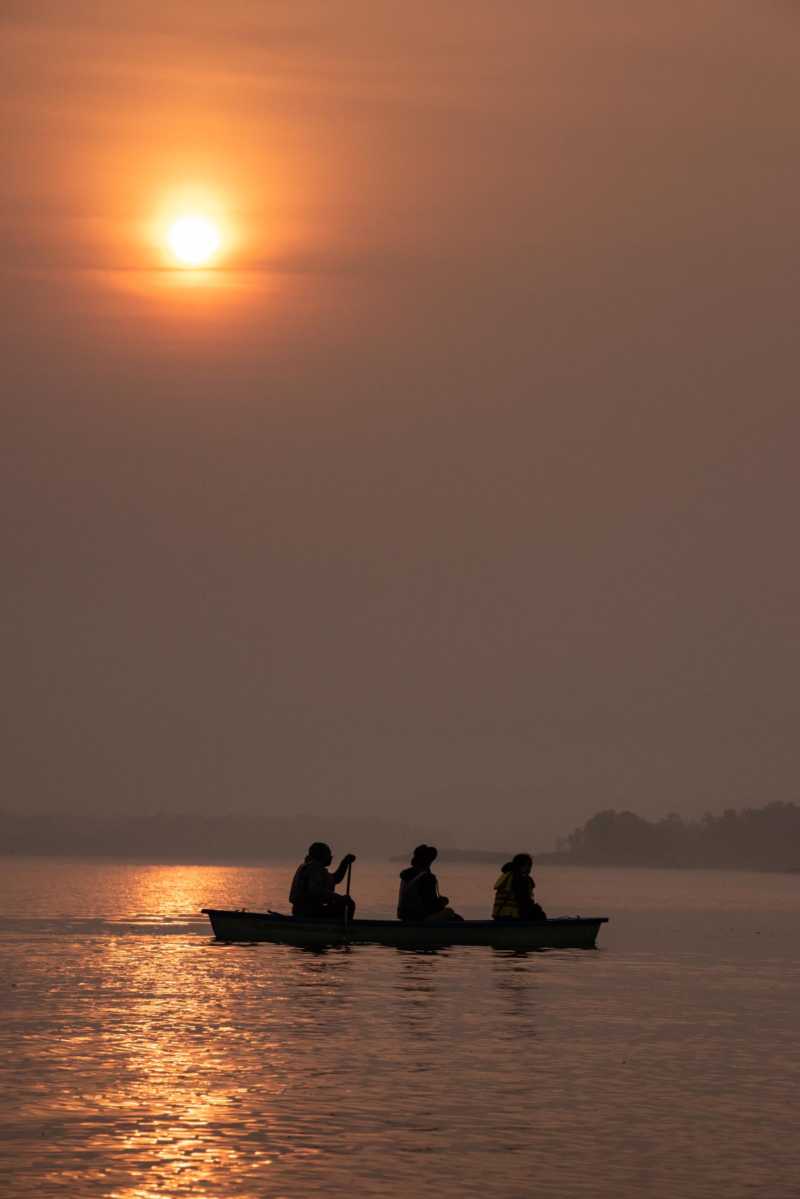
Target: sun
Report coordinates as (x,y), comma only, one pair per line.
(194,240)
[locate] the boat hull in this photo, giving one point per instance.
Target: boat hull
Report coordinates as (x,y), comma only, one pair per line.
(562,932)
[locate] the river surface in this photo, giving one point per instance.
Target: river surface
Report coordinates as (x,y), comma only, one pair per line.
(141,1060)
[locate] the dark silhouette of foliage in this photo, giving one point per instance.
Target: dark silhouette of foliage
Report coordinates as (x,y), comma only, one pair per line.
(760,838)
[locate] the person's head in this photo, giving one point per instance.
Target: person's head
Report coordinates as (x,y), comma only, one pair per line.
(423,855)
(522,863)
(319,852)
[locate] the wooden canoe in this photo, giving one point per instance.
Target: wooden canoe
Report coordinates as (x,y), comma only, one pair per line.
(560,932)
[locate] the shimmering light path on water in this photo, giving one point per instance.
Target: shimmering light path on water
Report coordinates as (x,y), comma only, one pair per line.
(143,1061)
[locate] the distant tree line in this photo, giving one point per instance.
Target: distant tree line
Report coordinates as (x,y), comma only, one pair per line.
(765,838)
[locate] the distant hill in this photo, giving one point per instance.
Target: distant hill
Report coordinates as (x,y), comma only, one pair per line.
(765,838)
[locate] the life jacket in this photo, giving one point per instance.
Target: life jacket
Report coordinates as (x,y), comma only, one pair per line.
(409,901)
(506,906)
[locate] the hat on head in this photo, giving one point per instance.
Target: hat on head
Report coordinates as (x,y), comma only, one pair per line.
(423,855)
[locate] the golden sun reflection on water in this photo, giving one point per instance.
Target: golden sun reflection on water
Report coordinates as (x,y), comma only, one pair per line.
(179,1044)
(146,1061)
(181,1071)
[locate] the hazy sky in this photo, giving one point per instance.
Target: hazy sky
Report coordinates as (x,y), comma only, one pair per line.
(463,490)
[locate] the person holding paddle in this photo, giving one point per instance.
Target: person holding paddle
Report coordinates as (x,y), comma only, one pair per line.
(313,891)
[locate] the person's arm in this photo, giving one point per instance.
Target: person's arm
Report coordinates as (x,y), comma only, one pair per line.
(341,869)
(523,893)
(432,901)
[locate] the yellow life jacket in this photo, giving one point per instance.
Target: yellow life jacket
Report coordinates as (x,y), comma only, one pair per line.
(505,901)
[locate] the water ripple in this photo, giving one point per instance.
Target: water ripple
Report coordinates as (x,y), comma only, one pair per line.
(141,1060)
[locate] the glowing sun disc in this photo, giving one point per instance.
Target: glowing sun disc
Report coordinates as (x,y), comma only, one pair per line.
(194,240)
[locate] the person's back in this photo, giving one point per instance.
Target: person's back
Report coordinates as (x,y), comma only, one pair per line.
(419,897)
(313,887)
(513,899)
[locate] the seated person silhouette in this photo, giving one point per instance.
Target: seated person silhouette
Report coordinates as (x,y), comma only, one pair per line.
(513,891)
(419,897)
(313,891)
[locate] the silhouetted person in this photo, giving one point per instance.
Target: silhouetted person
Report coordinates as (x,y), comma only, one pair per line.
(513,891)
(312,892)
(419,897)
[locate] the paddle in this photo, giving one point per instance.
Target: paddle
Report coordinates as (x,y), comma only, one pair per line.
(347,894)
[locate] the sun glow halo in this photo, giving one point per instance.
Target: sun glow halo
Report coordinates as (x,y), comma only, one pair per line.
(194,240)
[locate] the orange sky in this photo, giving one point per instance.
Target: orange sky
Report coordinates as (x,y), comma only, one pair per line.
(471,463)
(539,135)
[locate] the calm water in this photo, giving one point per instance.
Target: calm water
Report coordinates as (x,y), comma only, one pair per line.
(140,1060)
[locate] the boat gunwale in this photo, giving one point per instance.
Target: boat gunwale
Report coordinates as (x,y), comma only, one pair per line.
(278,920)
